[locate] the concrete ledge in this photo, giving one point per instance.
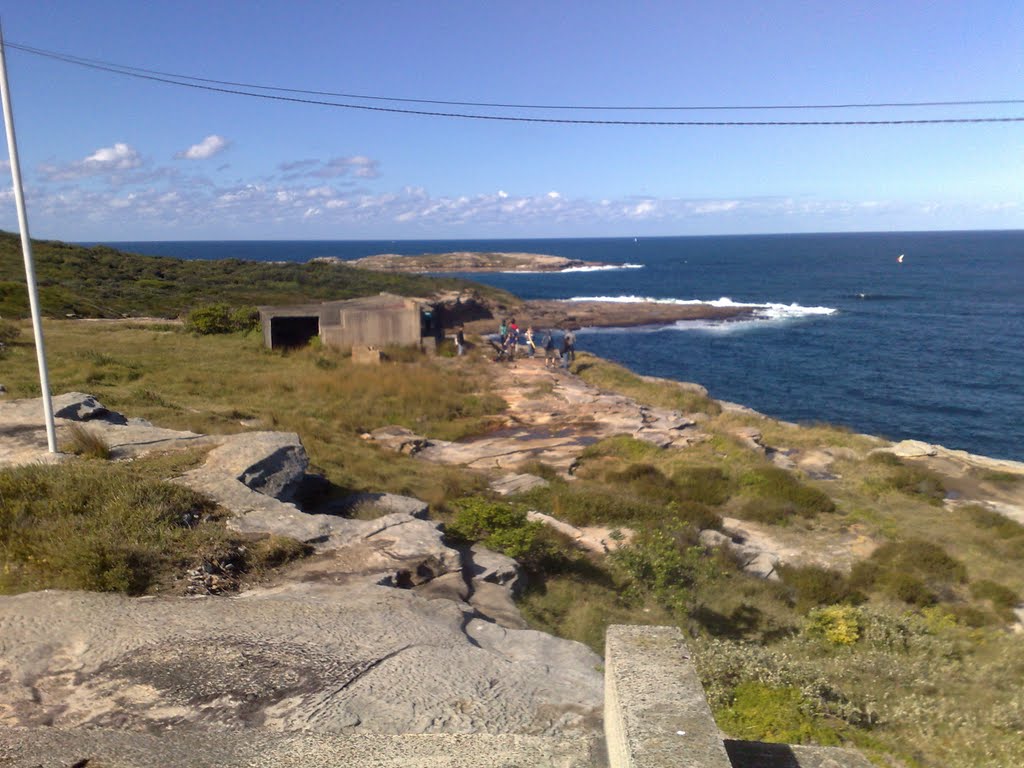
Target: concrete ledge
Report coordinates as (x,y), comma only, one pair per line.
(656,715)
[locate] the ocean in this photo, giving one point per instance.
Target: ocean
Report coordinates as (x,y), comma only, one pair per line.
(928,348)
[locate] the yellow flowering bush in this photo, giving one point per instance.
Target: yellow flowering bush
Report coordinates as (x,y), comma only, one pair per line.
(836,624)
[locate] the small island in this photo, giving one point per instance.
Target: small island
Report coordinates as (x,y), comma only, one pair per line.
(470,261)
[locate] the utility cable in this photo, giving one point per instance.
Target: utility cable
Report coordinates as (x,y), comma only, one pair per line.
(219,86)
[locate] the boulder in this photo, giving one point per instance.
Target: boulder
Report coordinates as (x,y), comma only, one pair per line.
(910,449)
(506,485)
(494,602)
(752,560)
(483,565)
(398,439)
(271,463)
(78,406)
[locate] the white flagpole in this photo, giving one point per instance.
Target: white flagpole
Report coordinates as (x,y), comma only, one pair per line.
(26,248)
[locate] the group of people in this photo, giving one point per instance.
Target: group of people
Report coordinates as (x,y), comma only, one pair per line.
(511,338)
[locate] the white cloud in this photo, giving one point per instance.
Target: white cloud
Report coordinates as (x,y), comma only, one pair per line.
(119,157)
(359,166)
(106,160)
(208,147)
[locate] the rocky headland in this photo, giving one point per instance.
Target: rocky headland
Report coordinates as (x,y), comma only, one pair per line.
(469,261)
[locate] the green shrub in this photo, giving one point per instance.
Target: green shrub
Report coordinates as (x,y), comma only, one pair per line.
(665,563)
(499,527)
(998,524)
(221,318)
(885,459)
(917,481)
(776,496)
(245,318)
(771,511)
(814,586)
(836,624)
(645,480)
(914,571)
(585,503)
(928,560)
(699,516)
(1003,599)
(761,712)
(706,485)
(910,589)
(910,480)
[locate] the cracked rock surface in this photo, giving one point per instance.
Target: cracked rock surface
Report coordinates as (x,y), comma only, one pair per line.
(304,657)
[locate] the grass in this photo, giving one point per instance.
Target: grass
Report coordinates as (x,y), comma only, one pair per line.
(213,383)
(665,394)
(97,526)
(83,441)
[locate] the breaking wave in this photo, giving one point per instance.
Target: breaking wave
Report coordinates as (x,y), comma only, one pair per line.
(768,311)
(603,268)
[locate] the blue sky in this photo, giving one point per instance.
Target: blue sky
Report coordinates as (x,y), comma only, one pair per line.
(108,157)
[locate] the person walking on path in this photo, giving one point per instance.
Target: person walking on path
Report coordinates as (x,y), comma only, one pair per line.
(513,335)
(530,342)
(549,350)
(460,342)
(568,348)
(569,342)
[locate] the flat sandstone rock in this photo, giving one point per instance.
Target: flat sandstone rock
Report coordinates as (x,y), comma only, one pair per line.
(311,658)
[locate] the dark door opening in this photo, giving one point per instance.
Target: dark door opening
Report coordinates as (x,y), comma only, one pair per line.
(293,331)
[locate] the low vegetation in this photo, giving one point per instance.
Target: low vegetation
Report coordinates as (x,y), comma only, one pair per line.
(110,527)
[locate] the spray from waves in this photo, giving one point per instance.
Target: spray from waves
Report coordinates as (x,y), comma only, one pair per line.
(759,312)
(601,268)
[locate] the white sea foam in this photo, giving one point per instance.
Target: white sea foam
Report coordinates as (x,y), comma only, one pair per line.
(770,309)
(759,312)
(603,268)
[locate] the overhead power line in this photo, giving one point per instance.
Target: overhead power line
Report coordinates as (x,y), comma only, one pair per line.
(236,88)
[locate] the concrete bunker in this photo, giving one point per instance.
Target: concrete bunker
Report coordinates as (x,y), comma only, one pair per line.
(372,321)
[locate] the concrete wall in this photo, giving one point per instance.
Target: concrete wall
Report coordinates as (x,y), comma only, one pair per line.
(656,714)
(373,327)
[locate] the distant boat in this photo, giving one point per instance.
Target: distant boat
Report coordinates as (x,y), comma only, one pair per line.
(899,258)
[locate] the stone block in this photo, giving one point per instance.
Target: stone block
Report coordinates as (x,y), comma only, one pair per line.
(656,714)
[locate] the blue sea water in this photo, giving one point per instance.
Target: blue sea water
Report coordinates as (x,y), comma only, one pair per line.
(931,348)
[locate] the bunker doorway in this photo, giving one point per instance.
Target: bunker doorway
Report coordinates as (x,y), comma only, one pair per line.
(293,331)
